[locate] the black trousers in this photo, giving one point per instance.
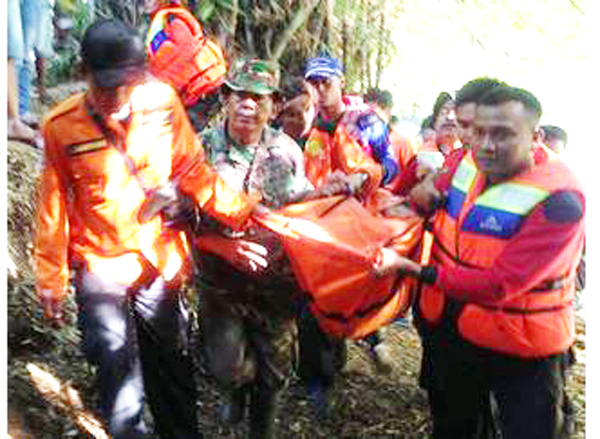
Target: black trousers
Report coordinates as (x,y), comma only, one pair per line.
(473,389)
(320,356)
(136,335)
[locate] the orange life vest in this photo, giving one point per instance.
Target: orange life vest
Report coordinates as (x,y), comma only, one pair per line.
(472,230)
(325,153)
(180,53)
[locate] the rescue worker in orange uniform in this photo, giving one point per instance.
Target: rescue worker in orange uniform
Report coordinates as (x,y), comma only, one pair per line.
(499,290)
(113,157)
(555,138)
(348,147)
(345,140)
(298,109)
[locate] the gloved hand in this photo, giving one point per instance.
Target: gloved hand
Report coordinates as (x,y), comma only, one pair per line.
(53,308)
(356,182)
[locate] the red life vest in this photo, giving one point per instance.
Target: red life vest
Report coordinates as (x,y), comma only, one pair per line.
(472,230)
(179,53)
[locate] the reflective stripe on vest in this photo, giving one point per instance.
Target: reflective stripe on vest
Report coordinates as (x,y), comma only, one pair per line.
(538,322)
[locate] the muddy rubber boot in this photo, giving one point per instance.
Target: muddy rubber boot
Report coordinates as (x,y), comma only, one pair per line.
(234,411)
(263,403)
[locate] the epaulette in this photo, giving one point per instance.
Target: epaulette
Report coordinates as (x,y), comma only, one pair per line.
(65,107)
(564,206)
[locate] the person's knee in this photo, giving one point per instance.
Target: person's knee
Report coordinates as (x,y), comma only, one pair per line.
(229,359)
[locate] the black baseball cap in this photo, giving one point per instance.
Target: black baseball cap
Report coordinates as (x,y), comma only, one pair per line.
(113,53)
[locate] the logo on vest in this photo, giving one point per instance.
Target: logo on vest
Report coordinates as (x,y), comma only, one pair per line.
(491,223)
(314,147)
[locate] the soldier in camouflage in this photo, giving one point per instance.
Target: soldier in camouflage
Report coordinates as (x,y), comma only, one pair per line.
(248,329)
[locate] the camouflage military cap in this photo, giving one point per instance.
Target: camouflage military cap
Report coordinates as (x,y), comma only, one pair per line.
(254,76)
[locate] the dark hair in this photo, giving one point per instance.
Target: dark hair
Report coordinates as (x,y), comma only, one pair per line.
(113,53)
(554,132)
(443,98)
(382,98)
(294,86)
(427,123)
(502,94)
(473,90)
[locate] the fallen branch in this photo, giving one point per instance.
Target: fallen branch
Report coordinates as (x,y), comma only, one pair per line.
(67,399)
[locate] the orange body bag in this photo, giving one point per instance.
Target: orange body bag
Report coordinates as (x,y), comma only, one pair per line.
(332,244)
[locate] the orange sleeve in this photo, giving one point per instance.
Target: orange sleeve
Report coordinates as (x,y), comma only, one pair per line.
(199,180)
(406,150)
(51,240)
(351,159)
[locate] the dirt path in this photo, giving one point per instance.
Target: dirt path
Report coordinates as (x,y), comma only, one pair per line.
(367,404)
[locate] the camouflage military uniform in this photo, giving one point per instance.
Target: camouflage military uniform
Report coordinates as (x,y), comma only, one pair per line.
(247,320)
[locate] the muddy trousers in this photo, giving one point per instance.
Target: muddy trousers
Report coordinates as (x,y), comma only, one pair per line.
(466,381)
(249,355)
(136,337)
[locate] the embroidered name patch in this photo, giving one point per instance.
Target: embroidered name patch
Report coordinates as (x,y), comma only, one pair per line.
(82,148)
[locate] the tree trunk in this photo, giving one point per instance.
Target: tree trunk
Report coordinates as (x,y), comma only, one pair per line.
(249,46)
(345,41)
(381,46)
(366,17)
(235,10)
(328,26)
(297,21)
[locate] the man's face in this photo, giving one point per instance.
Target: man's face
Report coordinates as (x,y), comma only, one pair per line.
(445,125)
(465,116)
(503,139)
(248,113)
(297,116)
(329,92)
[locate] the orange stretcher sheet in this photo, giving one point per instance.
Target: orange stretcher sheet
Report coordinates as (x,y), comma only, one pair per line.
(332,244)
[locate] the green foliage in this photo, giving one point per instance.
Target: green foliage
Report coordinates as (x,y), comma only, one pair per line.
(206,10)
(63,66)
(290,31)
